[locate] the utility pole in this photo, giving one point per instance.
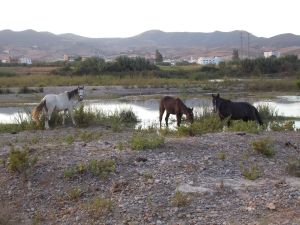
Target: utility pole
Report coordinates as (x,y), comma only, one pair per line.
(248,44)
(241,44)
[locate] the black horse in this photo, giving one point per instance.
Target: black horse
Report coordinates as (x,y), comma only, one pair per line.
(235,110)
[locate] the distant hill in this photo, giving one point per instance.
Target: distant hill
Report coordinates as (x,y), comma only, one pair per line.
(48,46)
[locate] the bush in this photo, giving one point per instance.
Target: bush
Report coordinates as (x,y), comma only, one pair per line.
(267,112)
(100,168)
(99,206)
(20,162)
(179,199)
(142,141)
(239,125)
(282,126)
(293,167)
(264,146)
(252,172)
(205,124)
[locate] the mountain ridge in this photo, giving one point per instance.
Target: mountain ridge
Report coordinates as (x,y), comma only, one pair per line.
(48,46)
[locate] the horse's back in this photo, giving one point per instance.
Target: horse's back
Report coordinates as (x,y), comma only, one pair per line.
(56,101)
(242,110)
(169,104)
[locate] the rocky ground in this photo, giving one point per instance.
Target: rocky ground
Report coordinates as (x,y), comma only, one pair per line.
(188,180)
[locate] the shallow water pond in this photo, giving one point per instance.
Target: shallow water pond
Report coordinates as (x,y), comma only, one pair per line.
(147,110)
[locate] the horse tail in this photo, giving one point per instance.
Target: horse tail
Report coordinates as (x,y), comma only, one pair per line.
(37,110)
(258,117)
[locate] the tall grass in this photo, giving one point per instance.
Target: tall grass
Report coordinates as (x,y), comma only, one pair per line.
(83,116)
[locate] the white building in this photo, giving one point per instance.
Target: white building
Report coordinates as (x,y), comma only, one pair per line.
(209,60)
(25,60)
(272,53)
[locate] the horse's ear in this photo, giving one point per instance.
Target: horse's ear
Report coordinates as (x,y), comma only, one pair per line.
(212,95)
(218,95)
(192,109)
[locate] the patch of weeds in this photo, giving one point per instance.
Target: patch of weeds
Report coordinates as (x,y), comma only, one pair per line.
(89,136)
(205,124)
(293,167)
(84,117)
(222,155)
(74,194)
(180,199)
(267,112)
(99,206)
(69,139)
(101,167)
(70,173)
(116,126)
(263,146)
(37,218)
(282,126)
(120,146)
(251,172)
(148,175)
(128,116)
(20,162)
(249,127)
(142,141)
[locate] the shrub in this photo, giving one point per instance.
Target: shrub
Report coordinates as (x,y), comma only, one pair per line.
(222,155)
(282,126)
(128,116)
(99,206)
(74,194)
(142,141)
(267,112)
(251,173)
(84,117)
(90,136)
(70,139)
(179,199)
(205,124)
(100,168)
(293,167)
(20,162)
(264,146)
(249,127)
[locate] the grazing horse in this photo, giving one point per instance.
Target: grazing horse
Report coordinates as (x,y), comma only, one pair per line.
(174,106)
(62,102)
(234,110)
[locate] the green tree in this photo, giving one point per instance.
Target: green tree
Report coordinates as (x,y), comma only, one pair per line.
(158,57)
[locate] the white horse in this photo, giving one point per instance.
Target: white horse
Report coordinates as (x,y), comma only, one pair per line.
(62,102)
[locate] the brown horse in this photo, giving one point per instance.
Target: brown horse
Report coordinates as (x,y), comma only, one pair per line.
(174,106)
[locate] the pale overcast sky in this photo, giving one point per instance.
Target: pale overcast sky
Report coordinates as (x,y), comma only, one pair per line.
(125,18)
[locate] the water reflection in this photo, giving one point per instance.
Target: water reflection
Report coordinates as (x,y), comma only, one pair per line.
(147,110)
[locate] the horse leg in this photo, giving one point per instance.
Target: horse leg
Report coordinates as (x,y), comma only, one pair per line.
(45,112)
(71,113)
(167,117)
(178,116)
(161,112)
(63,117)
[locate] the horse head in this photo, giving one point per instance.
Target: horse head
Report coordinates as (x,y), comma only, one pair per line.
(215,102)
(190,115)
(80,92)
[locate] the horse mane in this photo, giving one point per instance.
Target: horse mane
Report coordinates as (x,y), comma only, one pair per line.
(184,107)
(72,93)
